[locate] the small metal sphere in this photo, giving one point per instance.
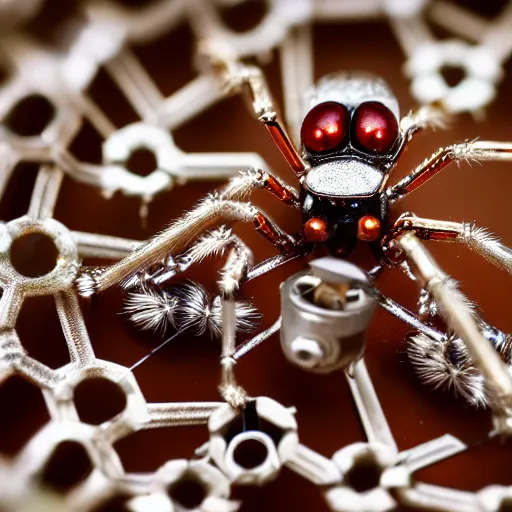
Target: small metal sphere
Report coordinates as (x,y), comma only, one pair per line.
(368,228)
(325,127)
(316,230)
(374,127)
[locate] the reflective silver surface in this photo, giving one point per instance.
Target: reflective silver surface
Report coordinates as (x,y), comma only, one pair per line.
(344,177)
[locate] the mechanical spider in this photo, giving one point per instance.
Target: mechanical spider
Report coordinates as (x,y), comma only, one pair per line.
(351,140)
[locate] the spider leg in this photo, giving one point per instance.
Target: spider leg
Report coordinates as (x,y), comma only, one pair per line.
(233,273)
(187,306)
(179,235)
(217,241)
(241,187)
(225,205)
(263,106)
(425,117)
(404,315)
(471,151)
(475,238)
(212,243)
(460,319)
(235,269)
(446,363)
(234,394)
(239,76)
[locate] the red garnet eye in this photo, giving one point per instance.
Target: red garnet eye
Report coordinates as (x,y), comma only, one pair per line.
(374,127)
(325,127)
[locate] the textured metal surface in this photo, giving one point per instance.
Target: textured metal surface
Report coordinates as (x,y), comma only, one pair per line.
(348,177)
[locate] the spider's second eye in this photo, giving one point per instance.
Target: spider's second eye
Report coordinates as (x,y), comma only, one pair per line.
(325,127)
(374,127)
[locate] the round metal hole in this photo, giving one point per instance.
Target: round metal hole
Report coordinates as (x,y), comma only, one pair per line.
(98,400)
(453,75)
(245,16)
(68,466)
(304,355)
(27,414)
(364,475)
(250,454)
(33,255)
(30,116)
(142,162)
(188,493)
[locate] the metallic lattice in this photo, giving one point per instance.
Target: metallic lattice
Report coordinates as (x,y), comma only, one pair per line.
(62,79)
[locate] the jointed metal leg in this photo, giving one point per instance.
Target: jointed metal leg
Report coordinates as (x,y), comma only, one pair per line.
(241,187)
(445,361)
(406,316)
(477,239)
(239,76)
(234,394)
(233,272)
(266,113)
(213,243)
(222,206)
(156,304)
(178,237)
(419,120)
(470,151)
(284,193)
(460,319)
(423,118)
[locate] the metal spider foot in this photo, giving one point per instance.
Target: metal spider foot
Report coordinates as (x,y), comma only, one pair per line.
(86,283)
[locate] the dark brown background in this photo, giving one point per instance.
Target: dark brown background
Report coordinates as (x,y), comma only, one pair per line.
(188,369)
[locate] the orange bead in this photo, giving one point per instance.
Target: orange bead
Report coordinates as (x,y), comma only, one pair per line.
(368,228)
(315,230)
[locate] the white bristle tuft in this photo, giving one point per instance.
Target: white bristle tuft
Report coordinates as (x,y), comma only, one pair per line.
(150,310)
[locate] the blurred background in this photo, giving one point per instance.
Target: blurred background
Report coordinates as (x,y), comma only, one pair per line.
(188,368)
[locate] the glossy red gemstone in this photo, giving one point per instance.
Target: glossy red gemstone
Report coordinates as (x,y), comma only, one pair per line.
(374,127)
(325,127)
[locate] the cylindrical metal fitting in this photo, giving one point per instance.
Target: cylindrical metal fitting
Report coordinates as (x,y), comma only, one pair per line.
(319,339)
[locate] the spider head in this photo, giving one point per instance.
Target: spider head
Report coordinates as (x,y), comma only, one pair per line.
(350,136)
(351,117)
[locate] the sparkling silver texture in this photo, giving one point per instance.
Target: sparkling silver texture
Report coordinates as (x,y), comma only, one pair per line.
(347,177)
